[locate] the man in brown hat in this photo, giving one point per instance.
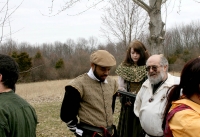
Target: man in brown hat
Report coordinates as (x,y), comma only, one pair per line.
(91,98)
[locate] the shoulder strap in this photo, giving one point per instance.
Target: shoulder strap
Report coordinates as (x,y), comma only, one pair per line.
(168,132)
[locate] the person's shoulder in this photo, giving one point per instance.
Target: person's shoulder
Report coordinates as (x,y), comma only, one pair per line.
(184,122)
(119,67)
(146,83)
(79,80)
(175,78)
(187,116)
(121,64)
(13,100)
(80,77)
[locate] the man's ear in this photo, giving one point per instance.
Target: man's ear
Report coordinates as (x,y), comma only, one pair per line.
(165,68)
(92,66)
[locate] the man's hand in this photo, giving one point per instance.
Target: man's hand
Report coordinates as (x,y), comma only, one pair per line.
(128,103)
(72,125)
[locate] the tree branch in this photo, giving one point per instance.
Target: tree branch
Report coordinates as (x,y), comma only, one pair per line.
(143,5)
(31,69)
(69,5)
(6,17)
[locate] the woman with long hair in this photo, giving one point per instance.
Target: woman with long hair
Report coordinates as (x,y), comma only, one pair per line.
(131,75)
(182,112)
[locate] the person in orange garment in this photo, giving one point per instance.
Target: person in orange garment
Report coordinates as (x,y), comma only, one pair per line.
(182,114)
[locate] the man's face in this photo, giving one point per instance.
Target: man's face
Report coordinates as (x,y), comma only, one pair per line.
(155,72)
(101,73)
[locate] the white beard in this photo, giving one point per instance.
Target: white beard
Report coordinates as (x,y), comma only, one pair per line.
(157,79)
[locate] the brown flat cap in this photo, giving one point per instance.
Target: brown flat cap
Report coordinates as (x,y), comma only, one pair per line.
(103,58)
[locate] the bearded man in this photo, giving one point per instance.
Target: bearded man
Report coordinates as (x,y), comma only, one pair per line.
(91,98)
(151,99)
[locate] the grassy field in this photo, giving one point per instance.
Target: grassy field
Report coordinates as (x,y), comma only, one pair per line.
(46,97)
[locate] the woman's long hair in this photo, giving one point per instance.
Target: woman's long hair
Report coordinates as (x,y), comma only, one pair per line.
(140,49)
(189,85)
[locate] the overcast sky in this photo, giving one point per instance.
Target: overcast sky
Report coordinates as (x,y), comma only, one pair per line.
(35,26)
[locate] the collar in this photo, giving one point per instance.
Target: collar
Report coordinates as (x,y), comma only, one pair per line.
(6,90)
(92,76)
(9,91)
(157,86)
(132,73)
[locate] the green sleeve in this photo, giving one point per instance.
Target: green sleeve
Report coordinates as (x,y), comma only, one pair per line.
(2,132)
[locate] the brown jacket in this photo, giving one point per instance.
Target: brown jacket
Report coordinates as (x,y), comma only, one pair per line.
(96,104)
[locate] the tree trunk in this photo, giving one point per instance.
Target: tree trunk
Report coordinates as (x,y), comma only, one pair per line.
(156,26)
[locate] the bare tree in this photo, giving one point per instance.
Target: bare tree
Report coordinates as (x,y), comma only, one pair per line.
(8,47)
(152,7)
(92,42)
(5,15)
(156,24)
(124,21)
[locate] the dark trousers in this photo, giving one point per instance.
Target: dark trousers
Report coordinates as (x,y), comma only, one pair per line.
(90,133)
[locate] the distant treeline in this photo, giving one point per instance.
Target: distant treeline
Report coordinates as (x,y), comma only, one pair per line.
(51,61)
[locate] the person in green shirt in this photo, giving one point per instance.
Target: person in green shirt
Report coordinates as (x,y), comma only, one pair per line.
(17,117)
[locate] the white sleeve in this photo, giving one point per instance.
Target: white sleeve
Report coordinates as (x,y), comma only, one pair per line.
(137,103)
(177,81)
(121,83)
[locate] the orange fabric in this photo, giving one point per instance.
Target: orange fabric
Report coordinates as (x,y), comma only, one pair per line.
(186,123)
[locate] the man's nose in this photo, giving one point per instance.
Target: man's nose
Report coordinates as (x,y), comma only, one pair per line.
(106,72)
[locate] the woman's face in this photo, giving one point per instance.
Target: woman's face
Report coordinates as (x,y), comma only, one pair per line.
(135,56)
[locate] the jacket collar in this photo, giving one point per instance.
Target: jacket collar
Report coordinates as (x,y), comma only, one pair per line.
(92,76)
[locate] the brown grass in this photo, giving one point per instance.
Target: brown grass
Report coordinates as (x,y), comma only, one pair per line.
(46,97)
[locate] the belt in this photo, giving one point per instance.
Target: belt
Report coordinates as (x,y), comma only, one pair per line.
(101,130)
(154,136)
